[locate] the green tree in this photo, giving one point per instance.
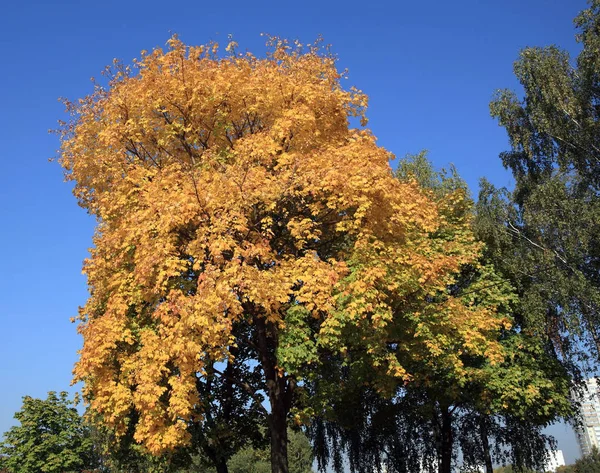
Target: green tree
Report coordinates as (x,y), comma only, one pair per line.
(588,464)
(531,354)
(549,236)
(257,460)
(489,407)
(252,460)
(510,469)
(485,408)
(52,438)
(566,469)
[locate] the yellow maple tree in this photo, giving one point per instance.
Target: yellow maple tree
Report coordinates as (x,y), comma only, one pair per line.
(232,190)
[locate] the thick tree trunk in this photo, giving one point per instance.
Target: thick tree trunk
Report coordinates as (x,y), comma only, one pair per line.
(219,463)
(486,445)
(222,467)
(446,440)
(280,389)
(279,438)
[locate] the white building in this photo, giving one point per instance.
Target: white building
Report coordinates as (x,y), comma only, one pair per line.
(588,435)
(555,460)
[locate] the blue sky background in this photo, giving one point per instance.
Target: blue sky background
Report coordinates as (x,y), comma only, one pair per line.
(430,69)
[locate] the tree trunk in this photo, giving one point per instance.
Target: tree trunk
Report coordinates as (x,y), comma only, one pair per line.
(446,441)
(222,466)
(280,389)
(486,445)
(219,462)
(279,438)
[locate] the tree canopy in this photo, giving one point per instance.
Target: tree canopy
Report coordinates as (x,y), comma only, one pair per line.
(51,438)
(488,412)
(547,230)
(238,211)
(587,464)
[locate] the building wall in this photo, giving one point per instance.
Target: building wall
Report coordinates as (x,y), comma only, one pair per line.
(556,459)
(588,435)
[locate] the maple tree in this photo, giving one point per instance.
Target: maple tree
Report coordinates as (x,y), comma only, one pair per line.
(238,210)
(488,411)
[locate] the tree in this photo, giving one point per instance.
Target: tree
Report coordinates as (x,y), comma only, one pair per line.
(123,455)
(51,438)
(551,233)
(565,469)
(485,409)
(519,419)
(510,469)
(257,460)
(589,463)
(251,460)
(237,210)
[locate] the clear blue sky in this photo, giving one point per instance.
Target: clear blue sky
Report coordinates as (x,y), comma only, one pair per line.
(430,69)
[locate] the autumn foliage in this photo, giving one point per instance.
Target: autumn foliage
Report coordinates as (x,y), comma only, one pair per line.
(231,190)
